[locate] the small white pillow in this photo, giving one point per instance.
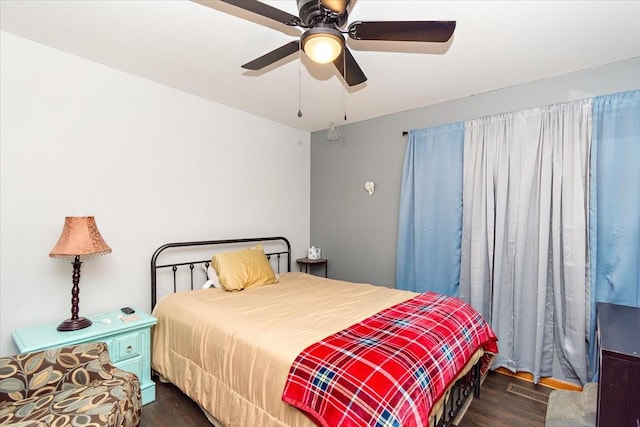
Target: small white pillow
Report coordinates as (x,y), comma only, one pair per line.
(212,278)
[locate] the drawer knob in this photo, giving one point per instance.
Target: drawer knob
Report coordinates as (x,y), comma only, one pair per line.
(129,348)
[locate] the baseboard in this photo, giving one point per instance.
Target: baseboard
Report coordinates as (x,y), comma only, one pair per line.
(546,381)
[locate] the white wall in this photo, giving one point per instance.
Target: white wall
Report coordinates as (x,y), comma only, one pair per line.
(151,163)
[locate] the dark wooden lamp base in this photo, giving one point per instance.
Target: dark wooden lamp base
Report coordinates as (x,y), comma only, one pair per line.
(74,324)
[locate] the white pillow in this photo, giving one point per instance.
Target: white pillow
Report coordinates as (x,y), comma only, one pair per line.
(212,278)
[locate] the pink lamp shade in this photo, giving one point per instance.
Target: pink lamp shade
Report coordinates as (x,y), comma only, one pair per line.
(80,237)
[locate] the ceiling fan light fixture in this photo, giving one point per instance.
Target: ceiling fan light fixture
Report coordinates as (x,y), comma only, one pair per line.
(323,45)
(323,41)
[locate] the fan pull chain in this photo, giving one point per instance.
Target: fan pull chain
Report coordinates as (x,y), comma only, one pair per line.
(299,82)
(344,94)
(344,103)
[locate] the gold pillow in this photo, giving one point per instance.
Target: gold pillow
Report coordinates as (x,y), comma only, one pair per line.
(242,269)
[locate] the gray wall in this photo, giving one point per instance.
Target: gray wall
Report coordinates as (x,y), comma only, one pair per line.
(358,232)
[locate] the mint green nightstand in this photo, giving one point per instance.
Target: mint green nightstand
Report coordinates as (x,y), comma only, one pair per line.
(128,343)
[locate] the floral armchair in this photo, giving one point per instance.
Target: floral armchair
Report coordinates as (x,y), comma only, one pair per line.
(74,385)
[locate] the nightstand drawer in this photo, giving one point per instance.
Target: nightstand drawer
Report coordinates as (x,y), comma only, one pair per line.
(131,365)
(126,347)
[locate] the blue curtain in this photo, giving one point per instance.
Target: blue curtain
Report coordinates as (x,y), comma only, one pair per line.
(614,229)
(430,217)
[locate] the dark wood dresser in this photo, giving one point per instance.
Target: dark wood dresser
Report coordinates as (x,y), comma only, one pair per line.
(618,334)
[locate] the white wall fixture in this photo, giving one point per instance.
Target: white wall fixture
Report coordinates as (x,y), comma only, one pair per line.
(370,187)
(332,133)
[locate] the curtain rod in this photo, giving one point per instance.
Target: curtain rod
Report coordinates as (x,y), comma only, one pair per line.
(405,133)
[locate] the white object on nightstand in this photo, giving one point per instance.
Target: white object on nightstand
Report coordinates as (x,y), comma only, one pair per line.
(314,253)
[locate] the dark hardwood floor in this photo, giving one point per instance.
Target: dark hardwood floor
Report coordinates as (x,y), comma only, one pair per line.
(172,408)
(496,407)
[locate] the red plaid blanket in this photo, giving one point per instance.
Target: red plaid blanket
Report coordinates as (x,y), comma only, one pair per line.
(389,369)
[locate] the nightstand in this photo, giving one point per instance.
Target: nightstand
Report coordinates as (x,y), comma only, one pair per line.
(310,263)
(618,347)
(128,342)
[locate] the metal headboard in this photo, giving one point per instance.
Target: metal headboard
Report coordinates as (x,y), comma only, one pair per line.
(213,243)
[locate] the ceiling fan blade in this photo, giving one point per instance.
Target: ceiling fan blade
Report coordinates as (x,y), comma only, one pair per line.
(407,31)
(353,75)
(261,9)
(273,56)
(336,6)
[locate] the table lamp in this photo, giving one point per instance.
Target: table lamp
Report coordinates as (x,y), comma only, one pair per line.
(80,237)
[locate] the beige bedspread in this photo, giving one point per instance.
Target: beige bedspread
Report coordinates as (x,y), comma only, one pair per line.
(231,351)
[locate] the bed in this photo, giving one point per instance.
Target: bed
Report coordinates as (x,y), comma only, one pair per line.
(242,355)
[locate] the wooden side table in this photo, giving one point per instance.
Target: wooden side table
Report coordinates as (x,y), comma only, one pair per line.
(310,263)
(128,342)
(618,339)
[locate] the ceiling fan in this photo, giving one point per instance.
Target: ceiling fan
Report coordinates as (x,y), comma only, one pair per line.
(323,40)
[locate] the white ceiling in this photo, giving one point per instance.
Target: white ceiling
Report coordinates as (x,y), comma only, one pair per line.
(199,49)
